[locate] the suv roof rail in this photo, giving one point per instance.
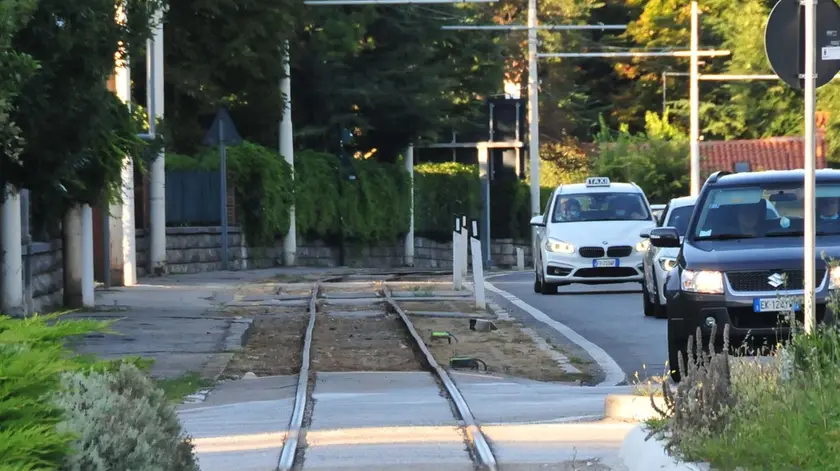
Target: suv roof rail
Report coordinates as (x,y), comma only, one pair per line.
(715,176)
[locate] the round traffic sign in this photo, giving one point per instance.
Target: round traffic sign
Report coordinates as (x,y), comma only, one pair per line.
(784,41)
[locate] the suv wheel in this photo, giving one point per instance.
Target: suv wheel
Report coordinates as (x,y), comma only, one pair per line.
(659,310)
(677,344)
(646,304)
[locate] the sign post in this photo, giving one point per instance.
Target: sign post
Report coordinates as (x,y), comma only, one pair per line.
(222,132)
(795,30)
(456,255)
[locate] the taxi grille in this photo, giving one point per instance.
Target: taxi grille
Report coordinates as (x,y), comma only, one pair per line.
(591,252)
(619,251)
(759,281)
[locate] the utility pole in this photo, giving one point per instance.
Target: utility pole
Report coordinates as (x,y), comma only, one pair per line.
(533,112)
(287,150)
(694,99)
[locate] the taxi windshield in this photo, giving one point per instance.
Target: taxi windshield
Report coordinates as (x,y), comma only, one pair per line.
(600,207)
(770,210)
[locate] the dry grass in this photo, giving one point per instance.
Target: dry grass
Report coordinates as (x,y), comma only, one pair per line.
(274,347)
(378,343)
(508,350)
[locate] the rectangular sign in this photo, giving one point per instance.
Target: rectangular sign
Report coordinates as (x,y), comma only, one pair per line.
(831,53)
(597,181)
(774,305)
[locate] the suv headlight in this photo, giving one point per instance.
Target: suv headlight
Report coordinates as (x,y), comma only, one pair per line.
(558,246)
(667,263)
(707,282)
(642,245)
(833,278)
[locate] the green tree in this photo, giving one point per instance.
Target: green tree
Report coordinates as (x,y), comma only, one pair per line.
(77,132)
(15,69)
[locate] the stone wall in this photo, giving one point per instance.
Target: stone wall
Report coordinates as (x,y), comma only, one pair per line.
(46,265)
(198,249)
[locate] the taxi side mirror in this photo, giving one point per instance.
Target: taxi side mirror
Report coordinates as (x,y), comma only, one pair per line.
(537,221)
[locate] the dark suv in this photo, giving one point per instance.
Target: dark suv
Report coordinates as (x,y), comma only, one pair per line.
(742,264)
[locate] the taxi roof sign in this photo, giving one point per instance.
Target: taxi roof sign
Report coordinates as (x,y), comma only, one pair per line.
(597,181)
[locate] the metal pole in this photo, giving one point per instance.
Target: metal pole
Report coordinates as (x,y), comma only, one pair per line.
(533,111)
(223,176)
(409,238)
(526,27)
(810,153)
(484,177)
(556,55)
(664,93)
(694,98)
(106,244)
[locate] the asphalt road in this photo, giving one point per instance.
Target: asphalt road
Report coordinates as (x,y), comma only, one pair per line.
(609,316)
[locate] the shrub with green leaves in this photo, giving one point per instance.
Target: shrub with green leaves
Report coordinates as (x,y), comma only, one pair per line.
(32,359)
(122,421)
(442,190)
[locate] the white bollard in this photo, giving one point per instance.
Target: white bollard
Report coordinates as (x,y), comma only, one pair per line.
(465,245)
(11,255)
(520,259)
(478,274)
(456,261)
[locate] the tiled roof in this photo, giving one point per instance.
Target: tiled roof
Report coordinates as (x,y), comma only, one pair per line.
(777,153)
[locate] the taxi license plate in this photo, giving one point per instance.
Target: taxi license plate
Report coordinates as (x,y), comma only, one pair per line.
(604,262)
(774,305)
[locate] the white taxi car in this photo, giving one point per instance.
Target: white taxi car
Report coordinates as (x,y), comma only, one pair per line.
(589,234)
(659,261)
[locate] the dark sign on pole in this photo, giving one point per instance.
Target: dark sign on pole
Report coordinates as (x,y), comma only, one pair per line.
(784,41)
(222,132)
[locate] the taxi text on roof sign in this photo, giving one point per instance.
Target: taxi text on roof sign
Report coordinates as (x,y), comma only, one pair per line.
(597,181)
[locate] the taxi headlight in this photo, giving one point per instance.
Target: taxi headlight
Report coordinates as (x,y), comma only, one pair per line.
(642,245)
(558,246)
(706,282)
(833,278)
(667,263)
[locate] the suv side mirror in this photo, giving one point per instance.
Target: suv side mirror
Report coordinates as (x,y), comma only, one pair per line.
(663,237)
(537,221)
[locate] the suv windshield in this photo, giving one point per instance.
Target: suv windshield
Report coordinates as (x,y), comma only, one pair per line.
(770,210)
(600,207)
(679,219)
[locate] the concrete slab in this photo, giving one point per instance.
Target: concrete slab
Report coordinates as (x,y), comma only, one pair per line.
(495,399)
(383,421)
(242,424)
(355,314)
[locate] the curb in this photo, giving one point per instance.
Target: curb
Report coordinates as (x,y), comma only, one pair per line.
(238,333)
(631,408)
(641,455)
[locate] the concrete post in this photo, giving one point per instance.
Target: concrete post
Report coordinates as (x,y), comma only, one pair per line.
(157,171)
(409,238)
(287,150)
(78,256)
(10,240)
(87,255)
(121,225)
(478,274)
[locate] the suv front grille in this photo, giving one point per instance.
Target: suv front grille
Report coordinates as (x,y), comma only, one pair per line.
(619,251)
(759,281)
(591,252)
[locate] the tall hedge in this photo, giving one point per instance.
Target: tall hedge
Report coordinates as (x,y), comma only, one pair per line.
(442,190)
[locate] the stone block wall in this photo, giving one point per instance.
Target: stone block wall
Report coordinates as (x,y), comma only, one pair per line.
(46,281)
(198,249)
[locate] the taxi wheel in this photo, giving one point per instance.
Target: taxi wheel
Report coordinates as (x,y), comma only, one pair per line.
(646,304)
(537,283)
(548,288)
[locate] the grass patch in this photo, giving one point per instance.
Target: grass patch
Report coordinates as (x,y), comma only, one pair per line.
(772,413)
(176,389)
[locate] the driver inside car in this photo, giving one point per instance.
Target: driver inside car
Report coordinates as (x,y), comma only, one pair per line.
(828,209)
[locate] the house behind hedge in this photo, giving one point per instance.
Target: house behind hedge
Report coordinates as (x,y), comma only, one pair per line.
(775,153)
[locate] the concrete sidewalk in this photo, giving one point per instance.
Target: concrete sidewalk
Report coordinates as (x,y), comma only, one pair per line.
(175,320)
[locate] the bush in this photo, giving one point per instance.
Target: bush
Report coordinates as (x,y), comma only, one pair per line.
(782,414)
(123,422)
(317,194)
(440,192)
(375,206)
(32,359)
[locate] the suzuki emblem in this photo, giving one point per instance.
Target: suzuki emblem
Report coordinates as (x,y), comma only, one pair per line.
(776,279)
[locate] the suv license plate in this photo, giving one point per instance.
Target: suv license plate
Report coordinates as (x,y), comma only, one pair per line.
(774,305)
(604,262)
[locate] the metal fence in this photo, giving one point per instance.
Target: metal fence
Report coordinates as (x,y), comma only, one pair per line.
(193,198)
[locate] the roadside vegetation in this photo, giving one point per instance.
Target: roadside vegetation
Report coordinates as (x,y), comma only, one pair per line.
(62,411)
(776,413)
